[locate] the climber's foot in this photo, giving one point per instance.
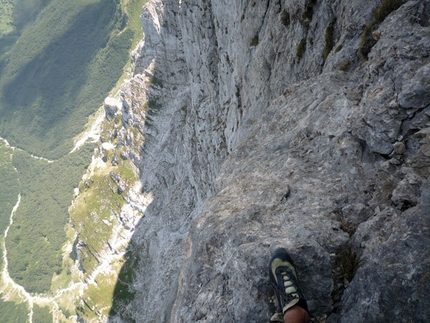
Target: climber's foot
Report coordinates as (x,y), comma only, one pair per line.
(283,275)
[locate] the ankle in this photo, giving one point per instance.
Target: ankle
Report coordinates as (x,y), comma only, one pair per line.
(296,314)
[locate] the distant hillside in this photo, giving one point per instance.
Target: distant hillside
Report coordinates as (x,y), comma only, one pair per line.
(60,70)
(58,61)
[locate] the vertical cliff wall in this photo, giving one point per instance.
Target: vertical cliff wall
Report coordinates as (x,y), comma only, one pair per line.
(302,124)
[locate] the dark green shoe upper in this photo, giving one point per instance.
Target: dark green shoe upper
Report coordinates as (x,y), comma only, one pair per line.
(283,276)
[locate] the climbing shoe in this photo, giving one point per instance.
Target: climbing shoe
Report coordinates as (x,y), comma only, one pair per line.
(283,276)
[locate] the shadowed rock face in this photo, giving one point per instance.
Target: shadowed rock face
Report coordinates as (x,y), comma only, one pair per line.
(254,141)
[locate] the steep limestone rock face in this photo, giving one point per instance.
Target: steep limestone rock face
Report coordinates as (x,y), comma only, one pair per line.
(281,123)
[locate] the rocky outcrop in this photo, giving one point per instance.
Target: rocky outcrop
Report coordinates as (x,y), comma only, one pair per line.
(281,123)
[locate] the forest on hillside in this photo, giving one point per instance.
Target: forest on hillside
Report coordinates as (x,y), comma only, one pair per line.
(63,66)
(59,59)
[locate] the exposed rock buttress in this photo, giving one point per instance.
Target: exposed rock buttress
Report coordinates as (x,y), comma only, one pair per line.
(281,123)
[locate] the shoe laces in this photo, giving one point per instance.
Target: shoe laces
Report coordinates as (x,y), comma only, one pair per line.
(286,288)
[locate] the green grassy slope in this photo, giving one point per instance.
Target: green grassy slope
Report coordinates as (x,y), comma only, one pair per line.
(13,313)
(10,312)
(35,240)
(8,179)
(25,12)
(68,56)
(60,71)
(9,193)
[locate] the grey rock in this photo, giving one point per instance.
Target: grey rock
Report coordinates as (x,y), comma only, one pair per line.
(407,191)
(249,146)
(111,107)
(393,279)
(399,148)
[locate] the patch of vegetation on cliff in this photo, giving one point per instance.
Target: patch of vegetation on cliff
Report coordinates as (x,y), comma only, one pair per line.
(124,292)
(345,266)
(35,239)
(98,298)
(95,215)
(60,71)
(345,66)
(308,13)
(133,9)
(91,216)
(306,20)
(301,49)
(378,16)
(329,38)
(254,41)
(286,18)
(94,210)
